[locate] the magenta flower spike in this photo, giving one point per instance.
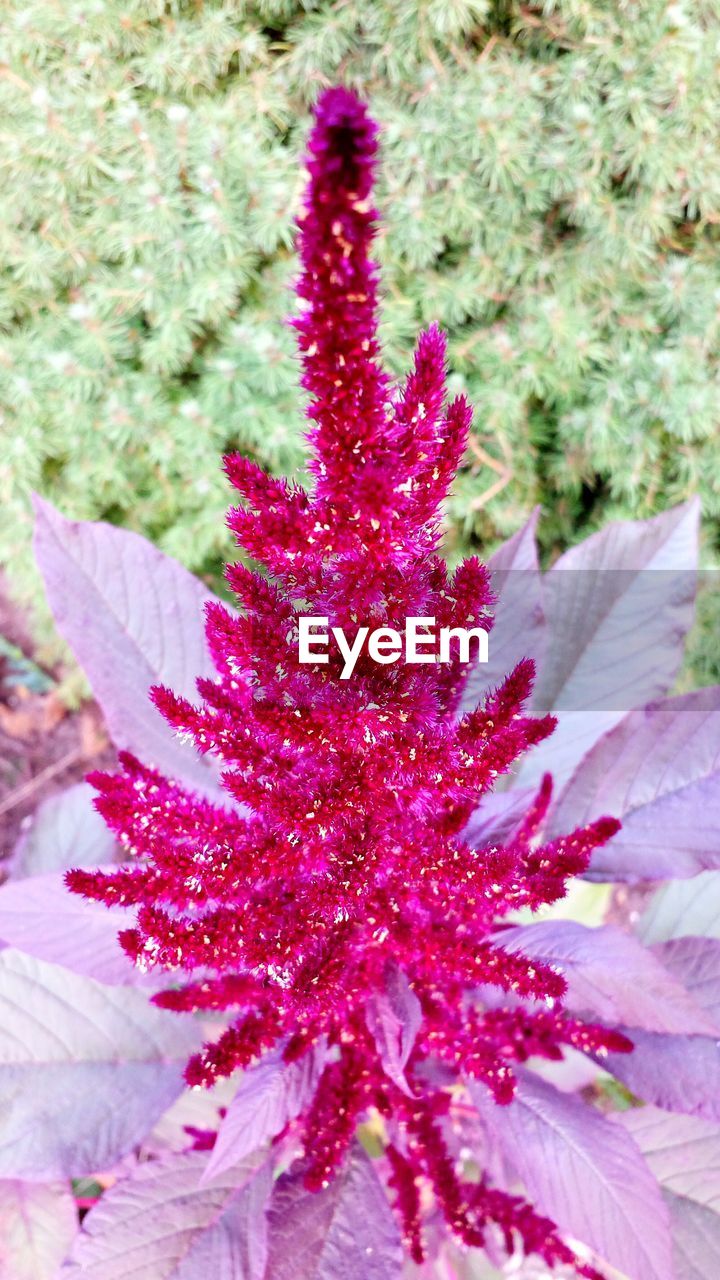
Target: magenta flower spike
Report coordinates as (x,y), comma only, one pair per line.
(333,899)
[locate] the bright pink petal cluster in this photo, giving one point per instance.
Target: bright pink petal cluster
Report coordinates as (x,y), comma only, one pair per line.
(337,873)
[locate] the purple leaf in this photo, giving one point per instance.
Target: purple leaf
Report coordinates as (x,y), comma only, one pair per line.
(695,962)
(393,1018)
(85,1070)
(270,1095)
(346,1232)
(611,976)
(198,1110)
(618,607)
(497,816)
(66,831)
(161,1223)
(519,625)
(696,1241)
(682,1151)
(684,1155)
(683,908)
(584,1172)
(37,1226)
(659,772)
(679,1073)
(41,917)
(133,618)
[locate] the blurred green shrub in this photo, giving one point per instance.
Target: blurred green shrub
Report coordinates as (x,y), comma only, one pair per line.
(550,193)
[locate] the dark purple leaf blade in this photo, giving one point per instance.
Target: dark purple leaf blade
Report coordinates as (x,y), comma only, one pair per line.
(684,1155)
(393,1017)
(683,1152)
(162,1224)
(70,1119)
(85,1070)
(611,976)
(270,1095)
(37,1225)
(659,772)
(66,831)
(695,962)
(133,618)
(42,918)
(617,608)
(696,1240)
(497,816)
(584,1172)
(519,623)
(683,908)
(678,1073)
(346,1232)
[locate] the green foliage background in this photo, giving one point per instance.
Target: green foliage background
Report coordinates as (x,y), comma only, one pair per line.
(550,193)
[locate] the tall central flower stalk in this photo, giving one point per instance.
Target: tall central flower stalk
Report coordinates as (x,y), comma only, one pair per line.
(333,903)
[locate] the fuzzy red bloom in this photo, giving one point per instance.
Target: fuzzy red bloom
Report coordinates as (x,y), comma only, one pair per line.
(339,856)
